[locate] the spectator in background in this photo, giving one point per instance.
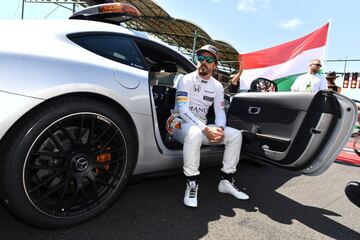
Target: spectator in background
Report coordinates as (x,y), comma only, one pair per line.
(331,77)
(235,78)
(312,81)
(260,84)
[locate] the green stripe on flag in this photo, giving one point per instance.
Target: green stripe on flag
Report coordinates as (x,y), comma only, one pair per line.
(285,83)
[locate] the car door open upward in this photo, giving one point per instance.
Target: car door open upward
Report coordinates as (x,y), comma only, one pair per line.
(300,131)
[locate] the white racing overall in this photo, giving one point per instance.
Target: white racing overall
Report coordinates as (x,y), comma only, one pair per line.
(194,96)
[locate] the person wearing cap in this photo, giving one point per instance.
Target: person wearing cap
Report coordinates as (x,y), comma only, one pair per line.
(331,77)
(196,92)
(312,81)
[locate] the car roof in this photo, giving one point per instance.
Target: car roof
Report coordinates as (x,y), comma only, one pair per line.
(22,33)
(63,27)
(33,36)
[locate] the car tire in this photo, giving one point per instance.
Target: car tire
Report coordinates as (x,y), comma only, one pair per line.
(66,162)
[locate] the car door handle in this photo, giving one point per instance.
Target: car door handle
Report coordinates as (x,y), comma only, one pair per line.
(315,131)
(254,110)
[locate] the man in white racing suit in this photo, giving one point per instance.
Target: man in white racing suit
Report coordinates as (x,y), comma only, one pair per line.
(196,92)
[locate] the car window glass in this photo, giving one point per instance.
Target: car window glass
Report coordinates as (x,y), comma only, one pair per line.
(116,48)
(164,67)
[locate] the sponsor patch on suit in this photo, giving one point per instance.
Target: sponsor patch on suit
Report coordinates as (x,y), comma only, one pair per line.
(181,93)
(209,91)
(209,99)
(197,88)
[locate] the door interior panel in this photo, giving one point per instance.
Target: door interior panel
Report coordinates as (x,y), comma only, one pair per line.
(271,120)
(296,100)
(284,128)
(276,123)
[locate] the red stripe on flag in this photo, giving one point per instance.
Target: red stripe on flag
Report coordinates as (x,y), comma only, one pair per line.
(284,52)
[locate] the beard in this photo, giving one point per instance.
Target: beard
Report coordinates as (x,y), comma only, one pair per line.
(203,70)
(315,70)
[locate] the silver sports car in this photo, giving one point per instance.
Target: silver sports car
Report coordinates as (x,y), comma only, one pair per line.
(83,105)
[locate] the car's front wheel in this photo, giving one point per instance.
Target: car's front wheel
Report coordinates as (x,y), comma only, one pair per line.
(66,162)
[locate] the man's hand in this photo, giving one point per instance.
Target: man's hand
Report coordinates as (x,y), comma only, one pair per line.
(221,131)
(214,134)
(236,78)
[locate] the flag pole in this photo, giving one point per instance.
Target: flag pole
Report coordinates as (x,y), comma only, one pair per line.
(327,42)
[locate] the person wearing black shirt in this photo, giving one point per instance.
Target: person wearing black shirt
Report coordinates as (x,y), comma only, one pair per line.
(331,77)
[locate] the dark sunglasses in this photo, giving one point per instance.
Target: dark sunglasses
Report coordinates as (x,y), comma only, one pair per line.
(209,59)
(318,65)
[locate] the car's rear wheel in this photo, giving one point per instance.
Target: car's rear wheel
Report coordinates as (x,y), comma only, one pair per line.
(66,162)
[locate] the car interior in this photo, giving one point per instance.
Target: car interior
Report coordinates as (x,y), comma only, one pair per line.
(164,72)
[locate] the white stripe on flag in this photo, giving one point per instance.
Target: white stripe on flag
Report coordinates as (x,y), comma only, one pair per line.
(297,65)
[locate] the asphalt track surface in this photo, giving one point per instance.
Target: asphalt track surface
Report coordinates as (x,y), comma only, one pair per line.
(282,205)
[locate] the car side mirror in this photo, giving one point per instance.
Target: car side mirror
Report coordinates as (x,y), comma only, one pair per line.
(263,85)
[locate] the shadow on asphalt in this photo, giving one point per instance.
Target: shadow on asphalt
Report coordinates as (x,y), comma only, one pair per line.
(153,209)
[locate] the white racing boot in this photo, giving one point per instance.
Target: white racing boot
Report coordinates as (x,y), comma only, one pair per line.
(190,198)
(227,185)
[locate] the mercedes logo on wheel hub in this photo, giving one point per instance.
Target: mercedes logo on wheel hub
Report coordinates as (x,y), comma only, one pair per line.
(80,163)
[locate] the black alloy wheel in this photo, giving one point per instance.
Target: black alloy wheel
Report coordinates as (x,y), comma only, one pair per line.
(74,164)
(68,161)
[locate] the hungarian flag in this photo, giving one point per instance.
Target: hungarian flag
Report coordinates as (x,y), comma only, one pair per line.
(285,62)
